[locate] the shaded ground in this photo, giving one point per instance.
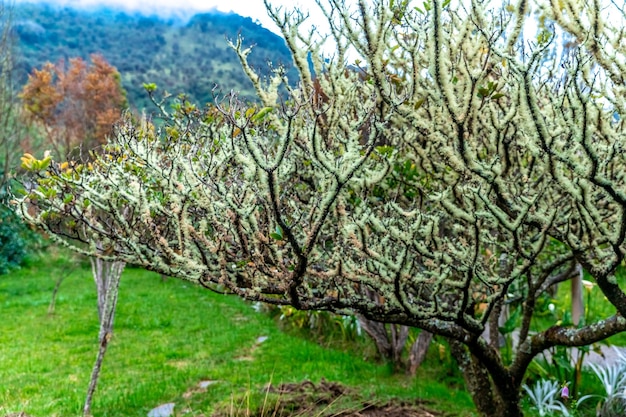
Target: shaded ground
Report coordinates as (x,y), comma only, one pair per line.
(328,399)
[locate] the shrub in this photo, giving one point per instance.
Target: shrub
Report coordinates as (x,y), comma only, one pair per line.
(15,240)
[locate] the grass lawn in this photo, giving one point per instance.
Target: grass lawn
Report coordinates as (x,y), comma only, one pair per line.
(169,336)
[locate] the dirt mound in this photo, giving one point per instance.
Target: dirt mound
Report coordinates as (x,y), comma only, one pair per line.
(332,399)
(392,410)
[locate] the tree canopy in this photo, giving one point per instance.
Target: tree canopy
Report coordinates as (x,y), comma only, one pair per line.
(75,107)
(462,162)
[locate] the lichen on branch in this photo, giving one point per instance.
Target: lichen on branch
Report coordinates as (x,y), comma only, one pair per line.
(462,163)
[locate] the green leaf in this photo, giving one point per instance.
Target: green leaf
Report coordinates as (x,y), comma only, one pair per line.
(543,37)
(562,362)
(50,193)
(483,92)
(385,150)
(277,234)
(497,96)
(262,113)
(150,87)
(511,323)
(567,319)
(44,163)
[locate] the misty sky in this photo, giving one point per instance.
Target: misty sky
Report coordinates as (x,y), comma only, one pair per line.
(249,8)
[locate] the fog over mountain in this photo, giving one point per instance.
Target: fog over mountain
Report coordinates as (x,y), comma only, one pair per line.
(184,9)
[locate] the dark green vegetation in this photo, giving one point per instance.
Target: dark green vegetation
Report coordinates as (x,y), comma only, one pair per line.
(179,57)
(169,336)
(15,239)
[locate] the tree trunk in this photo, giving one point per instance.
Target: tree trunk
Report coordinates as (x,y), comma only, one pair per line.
(55,291)
(95,373)
(104,272)
(390,339)
(399,336)
(418,351)
(107,276)
(578,304)
(492,398)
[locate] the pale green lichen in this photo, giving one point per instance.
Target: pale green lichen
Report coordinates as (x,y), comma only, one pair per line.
(428,181)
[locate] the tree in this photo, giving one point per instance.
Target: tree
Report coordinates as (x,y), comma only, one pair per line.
(76,109)
(462,164)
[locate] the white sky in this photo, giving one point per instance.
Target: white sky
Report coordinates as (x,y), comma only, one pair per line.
(249,8)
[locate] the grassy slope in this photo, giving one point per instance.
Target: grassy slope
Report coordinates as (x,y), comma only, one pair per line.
(169,336)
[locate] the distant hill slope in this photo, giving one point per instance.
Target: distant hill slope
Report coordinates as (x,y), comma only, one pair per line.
(179,57)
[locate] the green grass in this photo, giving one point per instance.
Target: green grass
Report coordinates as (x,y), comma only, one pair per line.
(169,336)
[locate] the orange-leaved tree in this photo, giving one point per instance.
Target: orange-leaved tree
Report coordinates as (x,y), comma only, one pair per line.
(75,106)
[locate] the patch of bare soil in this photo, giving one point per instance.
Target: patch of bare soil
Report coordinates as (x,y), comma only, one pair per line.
(330,399)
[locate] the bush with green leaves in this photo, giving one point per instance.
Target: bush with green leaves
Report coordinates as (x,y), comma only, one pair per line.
(15,239)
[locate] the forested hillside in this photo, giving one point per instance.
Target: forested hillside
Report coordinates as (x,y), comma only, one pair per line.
(190,57)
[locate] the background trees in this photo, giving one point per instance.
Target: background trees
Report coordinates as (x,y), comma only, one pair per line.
(148,48)
(75,107)
(13,129)
(9,114)
(463,166)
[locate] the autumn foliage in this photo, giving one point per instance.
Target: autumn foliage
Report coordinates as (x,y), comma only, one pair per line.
(76,106)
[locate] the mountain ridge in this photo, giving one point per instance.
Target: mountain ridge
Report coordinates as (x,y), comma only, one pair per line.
(189,57)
